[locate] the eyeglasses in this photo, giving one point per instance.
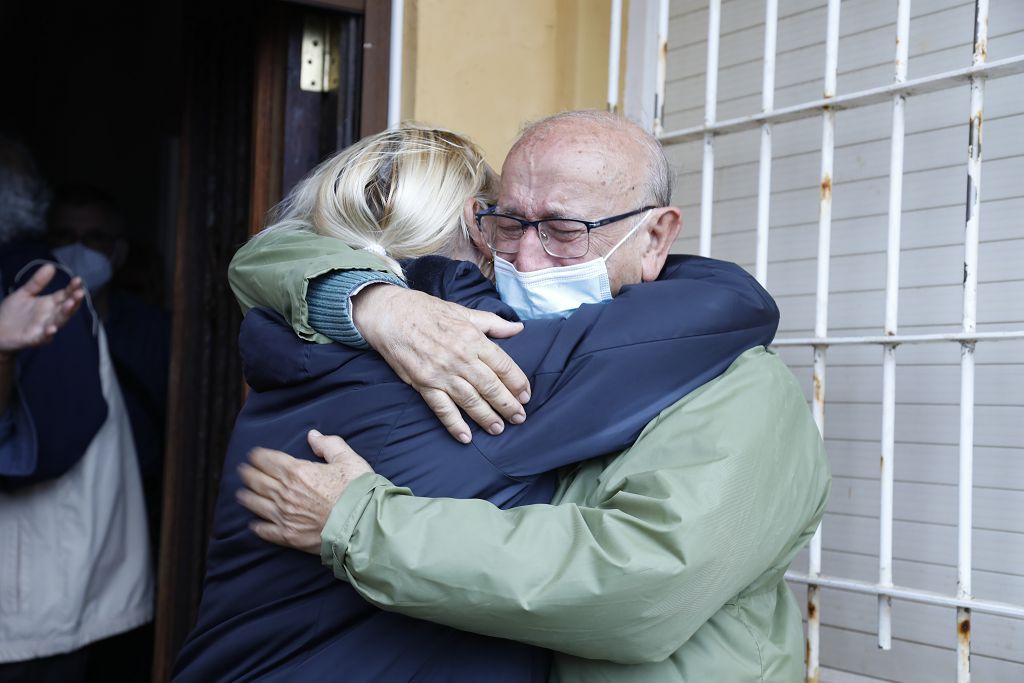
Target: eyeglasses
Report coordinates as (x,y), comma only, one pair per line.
(560,237)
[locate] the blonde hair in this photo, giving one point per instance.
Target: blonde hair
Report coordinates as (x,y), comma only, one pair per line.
(398,194)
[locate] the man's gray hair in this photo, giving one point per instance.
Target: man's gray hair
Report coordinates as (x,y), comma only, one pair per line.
(24,194)
(658,186)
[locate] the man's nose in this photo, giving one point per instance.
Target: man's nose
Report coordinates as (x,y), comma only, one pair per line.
(531,255)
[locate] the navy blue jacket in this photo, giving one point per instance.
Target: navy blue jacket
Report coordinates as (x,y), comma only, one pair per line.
(598,378)
(59,404)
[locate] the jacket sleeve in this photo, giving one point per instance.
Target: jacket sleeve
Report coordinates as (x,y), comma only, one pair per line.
(609,369)
(59,401)
(716,496)
(18,446)
(273,270)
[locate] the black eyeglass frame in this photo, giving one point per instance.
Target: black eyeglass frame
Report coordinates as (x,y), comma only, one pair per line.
(526,225)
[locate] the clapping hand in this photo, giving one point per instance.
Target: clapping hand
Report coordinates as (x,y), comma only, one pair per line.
(30,318)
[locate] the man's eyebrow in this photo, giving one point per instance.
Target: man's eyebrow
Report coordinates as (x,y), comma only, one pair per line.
(558,213)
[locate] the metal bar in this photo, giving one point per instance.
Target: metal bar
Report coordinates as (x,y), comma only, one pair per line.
(614,55)
(641,64)
(662,67)
(764,177)
(828,126)
(707,184)
(920,86)
(970,313)
(1001,609)
(892,291)
(886,483)
(395,63)
(898,339)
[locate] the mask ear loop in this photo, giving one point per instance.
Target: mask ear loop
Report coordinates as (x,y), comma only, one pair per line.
(64,269)
(628,234)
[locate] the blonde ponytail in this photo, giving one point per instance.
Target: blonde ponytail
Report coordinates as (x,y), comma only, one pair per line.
(398,194)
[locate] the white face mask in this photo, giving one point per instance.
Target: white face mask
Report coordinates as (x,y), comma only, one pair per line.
(557,291)
(92,266)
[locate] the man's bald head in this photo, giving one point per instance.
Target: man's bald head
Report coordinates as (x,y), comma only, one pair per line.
(610,128)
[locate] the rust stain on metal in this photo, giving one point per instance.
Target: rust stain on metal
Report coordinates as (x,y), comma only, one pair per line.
(977,122)
(819,394)
(826,188)
(963,631)
(981,49)
(812,611)
(881,462)
(809,676)
(664,49)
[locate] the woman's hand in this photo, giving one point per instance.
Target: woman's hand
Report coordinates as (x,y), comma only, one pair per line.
(30,318)
(442,350)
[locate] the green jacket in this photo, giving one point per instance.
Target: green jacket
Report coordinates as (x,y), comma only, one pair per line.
(662,563)
(274,270)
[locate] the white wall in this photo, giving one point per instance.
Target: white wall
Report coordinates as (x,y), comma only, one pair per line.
(930,301)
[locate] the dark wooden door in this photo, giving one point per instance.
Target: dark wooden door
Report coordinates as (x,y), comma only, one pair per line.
(295,128)
(249,132)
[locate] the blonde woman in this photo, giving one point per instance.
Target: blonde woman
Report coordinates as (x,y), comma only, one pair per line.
(597,378)
(345,226)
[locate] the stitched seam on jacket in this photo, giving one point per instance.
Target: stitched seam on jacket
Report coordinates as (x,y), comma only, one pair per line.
(651,341)
(742,620)
(394,426)
(521,480)
(490,462)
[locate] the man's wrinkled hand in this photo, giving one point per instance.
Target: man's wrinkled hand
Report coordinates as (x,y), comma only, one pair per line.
(294,497)
(30,318)
(442,350)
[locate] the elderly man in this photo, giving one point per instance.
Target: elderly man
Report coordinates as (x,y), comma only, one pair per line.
(663,562)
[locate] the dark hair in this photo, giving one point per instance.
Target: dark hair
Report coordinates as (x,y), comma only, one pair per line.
(89,195)
(24,193)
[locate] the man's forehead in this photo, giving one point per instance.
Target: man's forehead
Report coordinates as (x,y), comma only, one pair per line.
(553,176)
(84,218)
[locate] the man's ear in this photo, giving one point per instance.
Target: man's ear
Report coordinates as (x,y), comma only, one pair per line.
(469,210)
(663,228)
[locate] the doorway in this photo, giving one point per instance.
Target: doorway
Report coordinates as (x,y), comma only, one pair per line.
(272,89)
(196,118)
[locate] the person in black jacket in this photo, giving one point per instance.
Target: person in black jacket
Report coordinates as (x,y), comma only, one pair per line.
(274,614)
(28,318)
(70,500)
(61,402)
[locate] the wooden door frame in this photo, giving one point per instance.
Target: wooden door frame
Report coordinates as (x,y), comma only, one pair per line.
(191,463)
(376,56)
(268,115)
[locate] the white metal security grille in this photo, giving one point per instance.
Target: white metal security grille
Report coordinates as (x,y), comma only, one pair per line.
(645,98)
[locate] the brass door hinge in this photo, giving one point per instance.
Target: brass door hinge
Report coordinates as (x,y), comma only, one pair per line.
(320,56)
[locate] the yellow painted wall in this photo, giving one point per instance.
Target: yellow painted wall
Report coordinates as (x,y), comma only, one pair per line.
(486,67)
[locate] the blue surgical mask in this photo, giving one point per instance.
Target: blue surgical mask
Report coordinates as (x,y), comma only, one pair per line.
(92,266)
(557,291)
